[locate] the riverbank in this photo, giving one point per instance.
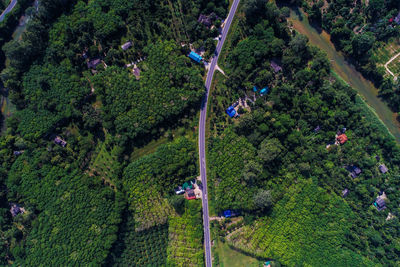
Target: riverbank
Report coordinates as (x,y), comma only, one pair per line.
(346,71)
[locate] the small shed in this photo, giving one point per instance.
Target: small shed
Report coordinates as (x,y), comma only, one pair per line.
(60,141)
(275,66)
(136,72)
(16,209)
(345,192)
(17,153)
(380,204)
(190,194)
(383,169)
(255,89)
(205,20)
(196,57)
(264,90)
(354,171)
(342,139)
(231,111)
(227,213)
(397,19)
(126,46)
(92,64)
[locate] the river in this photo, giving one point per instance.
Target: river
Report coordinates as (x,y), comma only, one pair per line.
(347,71)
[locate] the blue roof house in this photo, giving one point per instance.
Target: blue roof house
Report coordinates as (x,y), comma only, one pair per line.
(264,90)
(196,57)
(231,111)
(255,89)
(227,213)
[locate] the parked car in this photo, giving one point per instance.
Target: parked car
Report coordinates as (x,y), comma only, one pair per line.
(179,190)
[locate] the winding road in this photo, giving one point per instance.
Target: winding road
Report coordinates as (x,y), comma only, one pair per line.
(8,9)
(202,128)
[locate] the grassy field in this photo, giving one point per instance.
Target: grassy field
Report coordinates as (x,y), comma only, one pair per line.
(232,258)
(383,54)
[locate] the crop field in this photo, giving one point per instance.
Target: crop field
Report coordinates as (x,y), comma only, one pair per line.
(385,53)
(185,234)
(105,164)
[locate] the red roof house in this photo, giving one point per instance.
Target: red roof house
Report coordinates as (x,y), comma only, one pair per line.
(190,194)
(342,139)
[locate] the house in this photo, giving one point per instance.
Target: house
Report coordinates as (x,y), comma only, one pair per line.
(190,194)
(255,89)
(380,203)
(179,190)
(267,264)
(275,66)
(16,209)
(91,64)
(17,153)
(231,111)
(264,90)
(196,57)
(397,19)
(354,171)
(187,186)
(59,141)
(383,168)
(345,192)
(136,72)
(342,139)
(205,20)
(126,46)
(227,213)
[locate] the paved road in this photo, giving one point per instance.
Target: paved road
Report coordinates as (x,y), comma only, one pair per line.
(202,125)
(8,9)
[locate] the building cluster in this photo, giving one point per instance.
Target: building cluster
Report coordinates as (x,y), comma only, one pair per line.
(188,189)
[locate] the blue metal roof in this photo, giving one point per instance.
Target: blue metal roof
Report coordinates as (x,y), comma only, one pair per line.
(227,213)
(255,89)
(230,111)
(195,57)
(264,90)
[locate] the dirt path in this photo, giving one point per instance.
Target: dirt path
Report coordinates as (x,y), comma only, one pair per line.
(390,61)
(220,70)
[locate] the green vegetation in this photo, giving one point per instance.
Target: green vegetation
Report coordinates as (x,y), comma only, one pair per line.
(104,197)
(362,30)
(307,225)
(184,248)
(147,247)
(151,178)
(230,258)
(289,183)
(133,108)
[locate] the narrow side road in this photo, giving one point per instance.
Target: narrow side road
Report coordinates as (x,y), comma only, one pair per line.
(390,61)
(202,126)
(8,9)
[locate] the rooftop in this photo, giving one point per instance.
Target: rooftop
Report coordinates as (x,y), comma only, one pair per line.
(126,46)
(342,139)
(383,168)
(93,63)
(275,66)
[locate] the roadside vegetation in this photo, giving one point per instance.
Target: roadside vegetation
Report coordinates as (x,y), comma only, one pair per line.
(103,134)
(277,163)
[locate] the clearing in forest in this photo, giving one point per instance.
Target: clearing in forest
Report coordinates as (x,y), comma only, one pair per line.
(384,54)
